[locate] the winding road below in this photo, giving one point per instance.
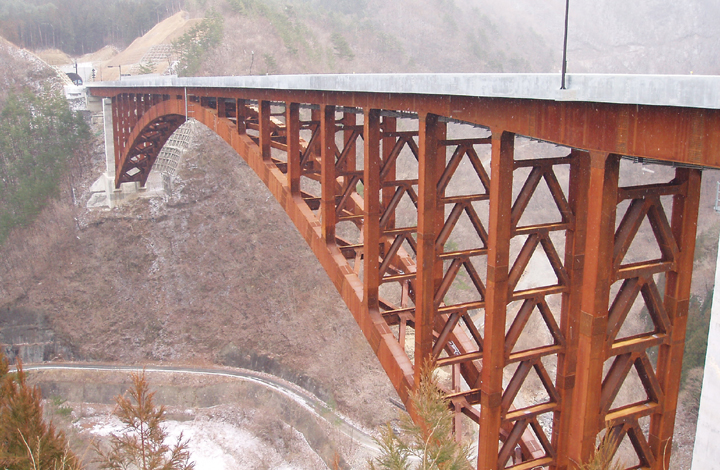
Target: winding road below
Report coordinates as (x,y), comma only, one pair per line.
(310,402)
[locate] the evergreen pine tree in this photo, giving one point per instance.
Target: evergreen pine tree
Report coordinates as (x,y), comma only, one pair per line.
(26,440)
(141,444)
(428,444)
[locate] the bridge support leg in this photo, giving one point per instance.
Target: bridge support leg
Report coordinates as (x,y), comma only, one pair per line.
(388,126)
(264,121)
(371,225)
(349,120)
(602,194)
(569,322)
(240,114)
(292,132)
(431,163)
(499,234)
(327,168)
(677,298)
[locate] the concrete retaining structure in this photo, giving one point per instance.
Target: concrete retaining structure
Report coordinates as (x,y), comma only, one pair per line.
(707,436)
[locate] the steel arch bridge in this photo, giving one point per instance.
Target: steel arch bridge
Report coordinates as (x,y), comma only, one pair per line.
(431,200)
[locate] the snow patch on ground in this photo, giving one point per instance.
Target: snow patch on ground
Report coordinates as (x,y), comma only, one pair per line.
(221,445)
(216,444)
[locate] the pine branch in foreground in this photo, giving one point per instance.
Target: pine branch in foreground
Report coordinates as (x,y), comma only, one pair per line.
(428,444)
(141,444)
(26,440)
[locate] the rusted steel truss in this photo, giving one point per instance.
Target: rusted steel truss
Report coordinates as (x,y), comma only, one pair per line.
(424,212)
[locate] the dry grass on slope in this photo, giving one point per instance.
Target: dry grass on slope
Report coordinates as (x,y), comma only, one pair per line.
(215,273)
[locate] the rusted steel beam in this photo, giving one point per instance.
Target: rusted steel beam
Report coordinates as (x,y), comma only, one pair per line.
(327,152)
(575,240)
(371,227)
(496,299)
(349,139)
(265,128)
(431,162)
(677,298)
(221,108)
(292,132)
(388,125)
(586,421)
(666,133)
(240,115)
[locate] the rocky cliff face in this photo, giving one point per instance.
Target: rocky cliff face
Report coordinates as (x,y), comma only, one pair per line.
(28,335)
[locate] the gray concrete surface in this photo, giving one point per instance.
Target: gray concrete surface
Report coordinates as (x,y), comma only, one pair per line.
(693,91)
(707,436)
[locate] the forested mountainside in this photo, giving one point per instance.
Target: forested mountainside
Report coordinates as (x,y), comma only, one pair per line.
(80,26)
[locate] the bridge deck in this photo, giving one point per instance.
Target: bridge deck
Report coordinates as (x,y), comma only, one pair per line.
(667,118)
(687,91)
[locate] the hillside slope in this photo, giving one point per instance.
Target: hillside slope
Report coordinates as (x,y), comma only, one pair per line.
(606,36)
(215,273)
(304,36)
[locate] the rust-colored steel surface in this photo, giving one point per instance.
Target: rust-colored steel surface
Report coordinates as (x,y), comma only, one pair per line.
(424,212)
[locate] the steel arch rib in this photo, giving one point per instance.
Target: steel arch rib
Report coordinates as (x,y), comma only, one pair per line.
(394,360)
(163,110)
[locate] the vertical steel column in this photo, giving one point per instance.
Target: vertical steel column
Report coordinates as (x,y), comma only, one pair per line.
(221,108)
(264,124)
(597,278)
(133,112)
(496,300)
(128,121)
(327,172)
(371,226)
(292,130)
(122,122)
(116,128)
(570,314)
(388,126)
(677,298)
(349,121)
(431,163)
(313,146)
(240,114)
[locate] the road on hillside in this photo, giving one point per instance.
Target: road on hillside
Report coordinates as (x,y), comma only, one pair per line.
(307,400)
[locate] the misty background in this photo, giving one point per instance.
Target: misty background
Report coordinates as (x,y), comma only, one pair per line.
(354,36)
